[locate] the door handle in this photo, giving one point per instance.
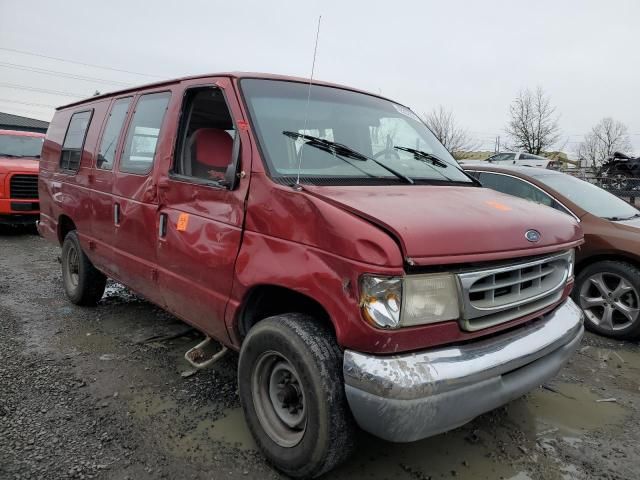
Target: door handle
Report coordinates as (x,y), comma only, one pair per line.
(116,213)
(162,225)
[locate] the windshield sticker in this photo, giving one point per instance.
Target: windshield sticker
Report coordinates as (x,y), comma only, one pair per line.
(406,112)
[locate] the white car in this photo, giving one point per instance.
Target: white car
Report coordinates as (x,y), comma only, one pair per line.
(520,159)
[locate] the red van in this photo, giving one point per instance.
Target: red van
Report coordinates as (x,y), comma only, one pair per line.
(19,163)
(326,235)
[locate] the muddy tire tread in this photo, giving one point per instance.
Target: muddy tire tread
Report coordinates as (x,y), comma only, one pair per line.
(320,343)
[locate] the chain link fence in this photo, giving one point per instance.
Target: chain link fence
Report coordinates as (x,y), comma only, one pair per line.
(623,186)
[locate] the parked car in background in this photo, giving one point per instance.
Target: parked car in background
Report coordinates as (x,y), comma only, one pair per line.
(608,264)
(358,280)
(19,164)
(520,159)
(621,172)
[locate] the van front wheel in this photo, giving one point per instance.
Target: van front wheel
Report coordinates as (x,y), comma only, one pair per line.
(83,283)
(291,389)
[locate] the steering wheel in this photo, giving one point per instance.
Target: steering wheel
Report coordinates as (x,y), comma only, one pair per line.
(387,152)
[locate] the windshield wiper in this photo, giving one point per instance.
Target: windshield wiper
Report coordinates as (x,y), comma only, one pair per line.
(10,155)
(425,157)
(340,150)
(420,155)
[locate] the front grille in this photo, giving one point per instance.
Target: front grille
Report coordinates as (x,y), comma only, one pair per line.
(24,186)
(25,206)
(497,295)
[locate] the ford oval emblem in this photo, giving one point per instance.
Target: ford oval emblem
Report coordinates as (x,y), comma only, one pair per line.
(532,235)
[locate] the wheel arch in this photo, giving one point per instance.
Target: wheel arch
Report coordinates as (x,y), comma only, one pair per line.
(65,225)
(266,300)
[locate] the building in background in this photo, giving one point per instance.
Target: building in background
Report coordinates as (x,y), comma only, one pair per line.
(9,121)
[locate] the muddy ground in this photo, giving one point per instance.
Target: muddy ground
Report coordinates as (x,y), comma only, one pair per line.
(100,393)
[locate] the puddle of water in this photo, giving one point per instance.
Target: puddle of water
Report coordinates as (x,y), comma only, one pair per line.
(572,411)
(144,405)
(445,456)
(90,342)
(196,443)
(230,429)
(613,358)
(233,429)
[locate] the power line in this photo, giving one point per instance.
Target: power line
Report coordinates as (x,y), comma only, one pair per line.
(42,90)
(46,71)
(79,63)
(27,103)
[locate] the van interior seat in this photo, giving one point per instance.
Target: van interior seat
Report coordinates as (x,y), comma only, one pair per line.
(213,148)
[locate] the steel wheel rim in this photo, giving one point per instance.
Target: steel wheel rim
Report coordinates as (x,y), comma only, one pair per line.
(609,301)
(620,181)
(279,399)
(72,264)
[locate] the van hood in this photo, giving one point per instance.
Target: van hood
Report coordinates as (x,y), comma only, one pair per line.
(454,224)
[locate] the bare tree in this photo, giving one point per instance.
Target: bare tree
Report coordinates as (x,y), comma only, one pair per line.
(445,127)
(533,126)
(606,137)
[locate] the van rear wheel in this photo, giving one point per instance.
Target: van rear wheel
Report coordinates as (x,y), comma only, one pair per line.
(292,393)
(83,283)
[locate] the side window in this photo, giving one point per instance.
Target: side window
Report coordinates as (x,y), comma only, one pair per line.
(74,141)
(516,187)
(109,142)
(143,132)
(207,136)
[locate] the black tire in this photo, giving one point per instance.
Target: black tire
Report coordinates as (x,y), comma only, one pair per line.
(83,283)
(622,327)
(310,349)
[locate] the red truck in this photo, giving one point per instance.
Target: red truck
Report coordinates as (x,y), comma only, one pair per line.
(326,235)
(19,162)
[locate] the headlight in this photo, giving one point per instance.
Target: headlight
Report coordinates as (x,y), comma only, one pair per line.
(381,299)
(393,302)
(429,299)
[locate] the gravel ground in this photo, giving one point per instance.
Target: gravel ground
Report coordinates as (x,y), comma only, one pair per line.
(105,393)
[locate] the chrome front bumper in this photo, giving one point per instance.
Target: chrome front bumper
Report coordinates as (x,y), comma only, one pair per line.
(403,398)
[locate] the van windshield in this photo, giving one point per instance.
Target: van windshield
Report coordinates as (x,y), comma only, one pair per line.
(18,146)
(343,137)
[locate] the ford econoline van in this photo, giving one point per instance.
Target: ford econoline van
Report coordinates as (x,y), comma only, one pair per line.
(326,235)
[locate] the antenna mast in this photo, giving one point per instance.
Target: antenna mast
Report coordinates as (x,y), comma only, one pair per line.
(306,113)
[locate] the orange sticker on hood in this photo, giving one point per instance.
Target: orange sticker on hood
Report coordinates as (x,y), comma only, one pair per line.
(498,205)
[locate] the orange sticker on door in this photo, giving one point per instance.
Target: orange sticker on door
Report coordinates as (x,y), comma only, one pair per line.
(183,222)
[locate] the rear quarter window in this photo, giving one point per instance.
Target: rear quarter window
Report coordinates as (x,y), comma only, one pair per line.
(73,143)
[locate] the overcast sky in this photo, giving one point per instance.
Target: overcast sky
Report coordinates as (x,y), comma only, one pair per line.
(470,56)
